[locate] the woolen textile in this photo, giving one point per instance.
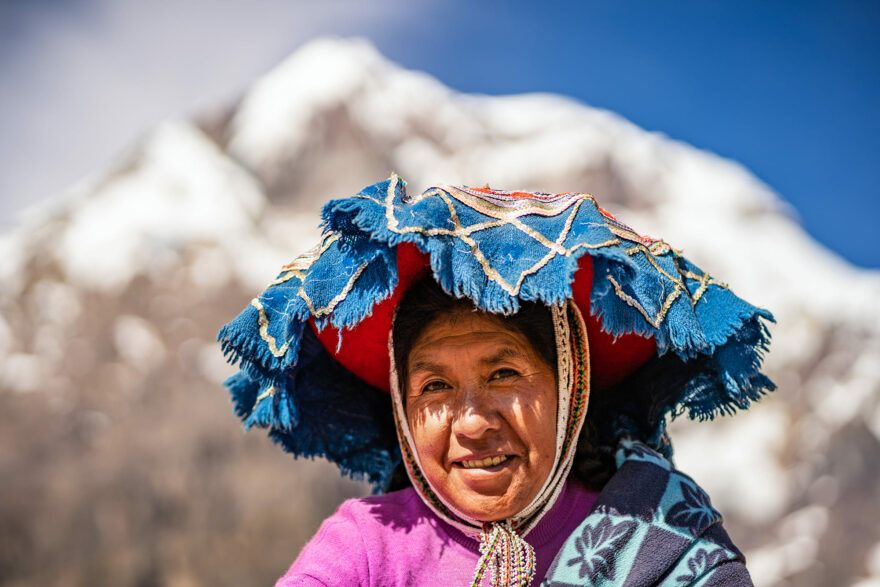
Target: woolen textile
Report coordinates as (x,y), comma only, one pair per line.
(395,539)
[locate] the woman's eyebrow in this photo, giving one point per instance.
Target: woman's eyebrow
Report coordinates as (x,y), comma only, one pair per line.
(425,365)
(502,354)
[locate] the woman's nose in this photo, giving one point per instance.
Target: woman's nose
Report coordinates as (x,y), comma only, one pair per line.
(475,415)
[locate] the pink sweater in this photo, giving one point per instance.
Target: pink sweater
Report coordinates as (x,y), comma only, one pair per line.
(395,539)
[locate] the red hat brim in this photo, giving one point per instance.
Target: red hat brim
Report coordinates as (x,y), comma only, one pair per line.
(363,350)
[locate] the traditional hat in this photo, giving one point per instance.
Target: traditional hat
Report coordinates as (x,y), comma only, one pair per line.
(313,347)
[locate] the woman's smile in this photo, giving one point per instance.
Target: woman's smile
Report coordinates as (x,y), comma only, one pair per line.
(482,463)
(491,476)
(481,405)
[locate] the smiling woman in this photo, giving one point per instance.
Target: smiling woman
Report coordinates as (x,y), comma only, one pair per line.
(533,348)
(480,403)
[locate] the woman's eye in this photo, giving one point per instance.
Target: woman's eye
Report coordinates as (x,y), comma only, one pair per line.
(434,386)
(503,374)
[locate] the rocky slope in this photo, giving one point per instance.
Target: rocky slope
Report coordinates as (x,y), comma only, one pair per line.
(124,464)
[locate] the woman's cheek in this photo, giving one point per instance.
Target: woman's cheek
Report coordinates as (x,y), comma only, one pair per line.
(529,406)
(429,428)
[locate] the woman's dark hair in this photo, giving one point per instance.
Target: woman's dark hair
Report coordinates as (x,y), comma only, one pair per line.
(425,301)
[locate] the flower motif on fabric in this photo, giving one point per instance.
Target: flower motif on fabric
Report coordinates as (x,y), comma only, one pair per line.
(638,449)
(694,510)
(634,450)
(598,547)
(702,561)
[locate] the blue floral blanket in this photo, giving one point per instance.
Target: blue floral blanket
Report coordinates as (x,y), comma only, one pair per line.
(651,525)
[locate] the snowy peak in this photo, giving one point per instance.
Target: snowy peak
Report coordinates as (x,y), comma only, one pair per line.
(174,190)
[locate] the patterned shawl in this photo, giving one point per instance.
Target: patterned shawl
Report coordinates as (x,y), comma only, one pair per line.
(666,533)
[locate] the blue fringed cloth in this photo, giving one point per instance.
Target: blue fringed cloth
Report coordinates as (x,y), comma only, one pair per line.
(496,248)
(650,525)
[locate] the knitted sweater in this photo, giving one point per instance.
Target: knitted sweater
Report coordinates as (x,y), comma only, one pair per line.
(650,525)
(394,539)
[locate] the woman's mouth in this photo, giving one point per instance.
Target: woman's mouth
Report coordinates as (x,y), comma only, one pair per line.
(485,463)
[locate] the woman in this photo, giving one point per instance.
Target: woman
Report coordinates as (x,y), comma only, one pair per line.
(489,317)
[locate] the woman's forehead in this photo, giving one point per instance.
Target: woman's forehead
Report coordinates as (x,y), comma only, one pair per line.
(477,332)
(486,354)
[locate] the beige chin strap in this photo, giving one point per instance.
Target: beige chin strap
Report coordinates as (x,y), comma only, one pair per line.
(503,550)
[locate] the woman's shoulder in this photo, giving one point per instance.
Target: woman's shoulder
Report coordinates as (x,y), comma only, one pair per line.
(404,499)
(383,514)
(372,517)
(650,521)
(369,540)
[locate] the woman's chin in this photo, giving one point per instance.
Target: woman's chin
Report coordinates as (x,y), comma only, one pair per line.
(486,494)
(487,508)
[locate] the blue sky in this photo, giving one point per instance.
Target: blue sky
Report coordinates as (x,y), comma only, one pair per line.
(789,90)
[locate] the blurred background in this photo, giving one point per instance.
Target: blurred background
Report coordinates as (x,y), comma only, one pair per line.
(160,161)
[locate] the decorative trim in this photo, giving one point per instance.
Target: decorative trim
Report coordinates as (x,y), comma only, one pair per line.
(268,392)
(463,233)
(318,312)
(264,331)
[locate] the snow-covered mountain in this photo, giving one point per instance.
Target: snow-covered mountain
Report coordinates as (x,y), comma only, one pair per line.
(126,452)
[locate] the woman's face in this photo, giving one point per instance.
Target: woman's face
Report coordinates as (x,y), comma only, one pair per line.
(481,405)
